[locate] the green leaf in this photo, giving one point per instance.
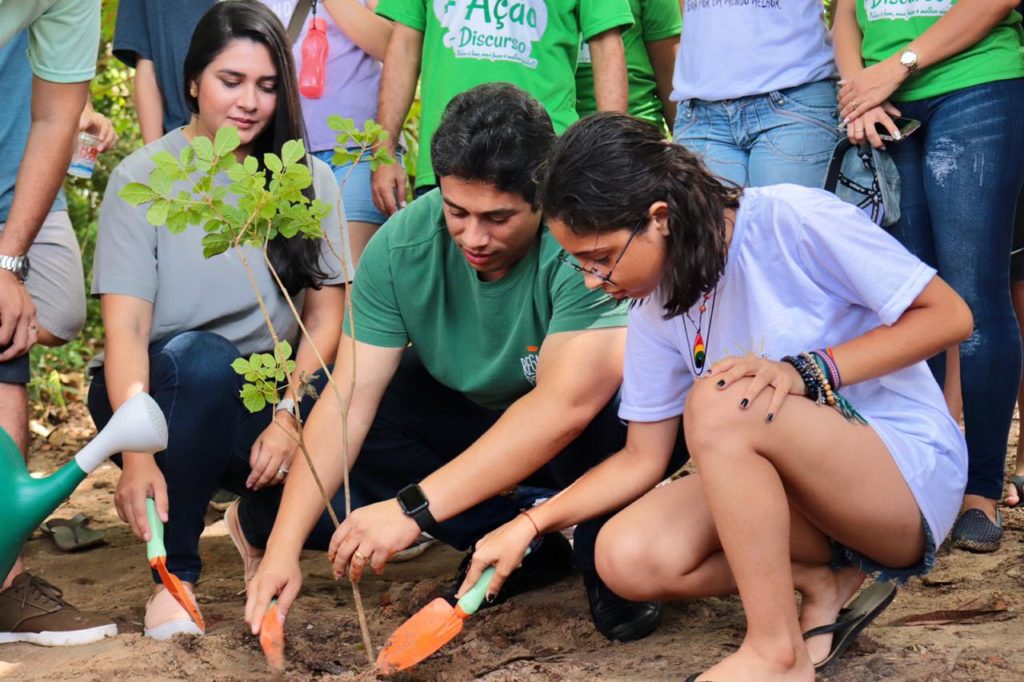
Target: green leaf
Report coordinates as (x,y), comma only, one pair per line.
(157,213)
(251,165)
(283,351)
(292,151)
(136,193)
(240,365)
(226,141)
(162,179)
(273,162)
(215,244)
(204,150)
(177,222)
(252,398)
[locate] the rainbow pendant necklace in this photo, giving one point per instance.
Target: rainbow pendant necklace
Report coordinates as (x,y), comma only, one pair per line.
(699,354)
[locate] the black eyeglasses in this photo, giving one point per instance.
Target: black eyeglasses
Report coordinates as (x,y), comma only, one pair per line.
(592,270)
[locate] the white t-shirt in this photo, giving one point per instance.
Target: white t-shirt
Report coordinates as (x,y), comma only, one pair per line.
(805,271)
(739,48)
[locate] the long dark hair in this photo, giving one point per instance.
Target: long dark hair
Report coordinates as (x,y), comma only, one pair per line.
(605,172)
(297,261)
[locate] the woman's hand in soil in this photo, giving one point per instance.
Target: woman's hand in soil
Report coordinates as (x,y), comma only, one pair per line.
(864,127)
(503,548)
(368,537)
(277,577)
(869,88)
(272,453)
(140,479)
(780,377)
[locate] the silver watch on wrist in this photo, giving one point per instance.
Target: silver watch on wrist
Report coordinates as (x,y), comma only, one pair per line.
(16,264)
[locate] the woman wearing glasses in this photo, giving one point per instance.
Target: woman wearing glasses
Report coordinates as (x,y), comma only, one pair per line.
(749,303)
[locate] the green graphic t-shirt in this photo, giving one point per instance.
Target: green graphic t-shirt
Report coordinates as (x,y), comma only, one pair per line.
(479,338)
(529,43)
(652,20)
(889,26)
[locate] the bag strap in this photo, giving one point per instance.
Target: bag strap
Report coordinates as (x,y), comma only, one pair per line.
(835,164)
(299,15)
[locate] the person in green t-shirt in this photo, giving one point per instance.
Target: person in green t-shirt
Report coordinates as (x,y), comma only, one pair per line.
(955,66)
(453,45)
(481,360)
(650,45)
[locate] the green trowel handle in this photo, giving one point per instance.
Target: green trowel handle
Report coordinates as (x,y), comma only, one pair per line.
(155,547)
(471,601)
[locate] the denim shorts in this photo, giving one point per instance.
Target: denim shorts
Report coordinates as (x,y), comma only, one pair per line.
(781,136)
(843,556)
(357,194)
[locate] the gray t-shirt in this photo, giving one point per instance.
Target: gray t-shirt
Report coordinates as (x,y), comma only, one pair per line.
(189,292)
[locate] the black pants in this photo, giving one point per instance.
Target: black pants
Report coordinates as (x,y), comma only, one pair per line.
(420,426)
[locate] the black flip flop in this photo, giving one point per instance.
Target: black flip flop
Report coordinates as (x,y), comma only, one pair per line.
(72,535)
(853,619)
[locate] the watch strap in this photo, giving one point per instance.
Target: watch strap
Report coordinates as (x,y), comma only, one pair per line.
(425,520)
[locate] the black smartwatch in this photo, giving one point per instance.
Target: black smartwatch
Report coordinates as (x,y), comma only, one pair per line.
(416,506)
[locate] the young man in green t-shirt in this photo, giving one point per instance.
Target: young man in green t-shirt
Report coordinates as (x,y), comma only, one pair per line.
(511,376)
(453,45)
(650,45)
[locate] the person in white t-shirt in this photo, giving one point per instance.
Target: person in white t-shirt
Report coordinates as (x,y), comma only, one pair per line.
(755,83)
(748,302)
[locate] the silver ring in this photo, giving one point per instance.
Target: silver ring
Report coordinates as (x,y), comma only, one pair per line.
(282,472)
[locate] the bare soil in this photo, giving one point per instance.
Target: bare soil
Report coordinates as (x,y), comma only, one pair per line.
(546,635)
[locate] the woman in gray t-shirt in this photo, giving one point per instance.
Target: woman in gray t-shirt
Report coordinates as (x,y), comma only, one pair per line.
(175,321)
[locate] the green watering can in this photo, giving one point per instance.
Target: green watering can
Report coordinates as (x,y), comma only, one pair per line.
(137,426)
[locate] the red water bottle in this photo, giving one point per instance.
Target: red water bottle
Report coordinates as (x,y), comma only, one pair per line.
(314,60)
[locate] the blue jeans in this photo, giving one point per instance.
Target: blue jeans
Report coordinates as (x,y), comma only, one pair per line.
(782,136)
(356,193)
(961,174)
(211,434)
(420,426)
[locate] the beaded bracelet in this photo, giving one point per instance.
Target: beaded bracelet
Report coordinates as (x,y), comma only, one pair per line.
(824,357)
(807,374)
(816,374)
(821,374)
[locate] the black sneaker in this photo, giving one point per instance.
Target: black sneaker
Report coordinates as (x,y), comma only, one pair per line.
(616,618)
(547,563)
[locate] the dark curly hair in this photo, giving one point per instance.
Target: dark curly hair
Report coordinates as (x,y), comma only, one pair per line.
(297,261)
(495,133)
(605,172)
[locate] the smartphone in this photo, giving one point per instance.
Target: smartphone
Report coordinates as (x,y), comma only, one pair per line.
(905,125)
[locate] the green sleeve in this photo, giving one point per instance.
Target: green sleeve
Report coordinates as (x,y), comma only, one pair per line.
(576,308)
(598,16)
(411,13)
(64,41)
(660,19)
(378,320)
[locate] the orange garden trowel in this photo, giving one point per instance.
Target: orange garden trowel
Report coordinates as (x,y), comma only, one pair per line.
(272,637)
(157,554)
(431,628)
